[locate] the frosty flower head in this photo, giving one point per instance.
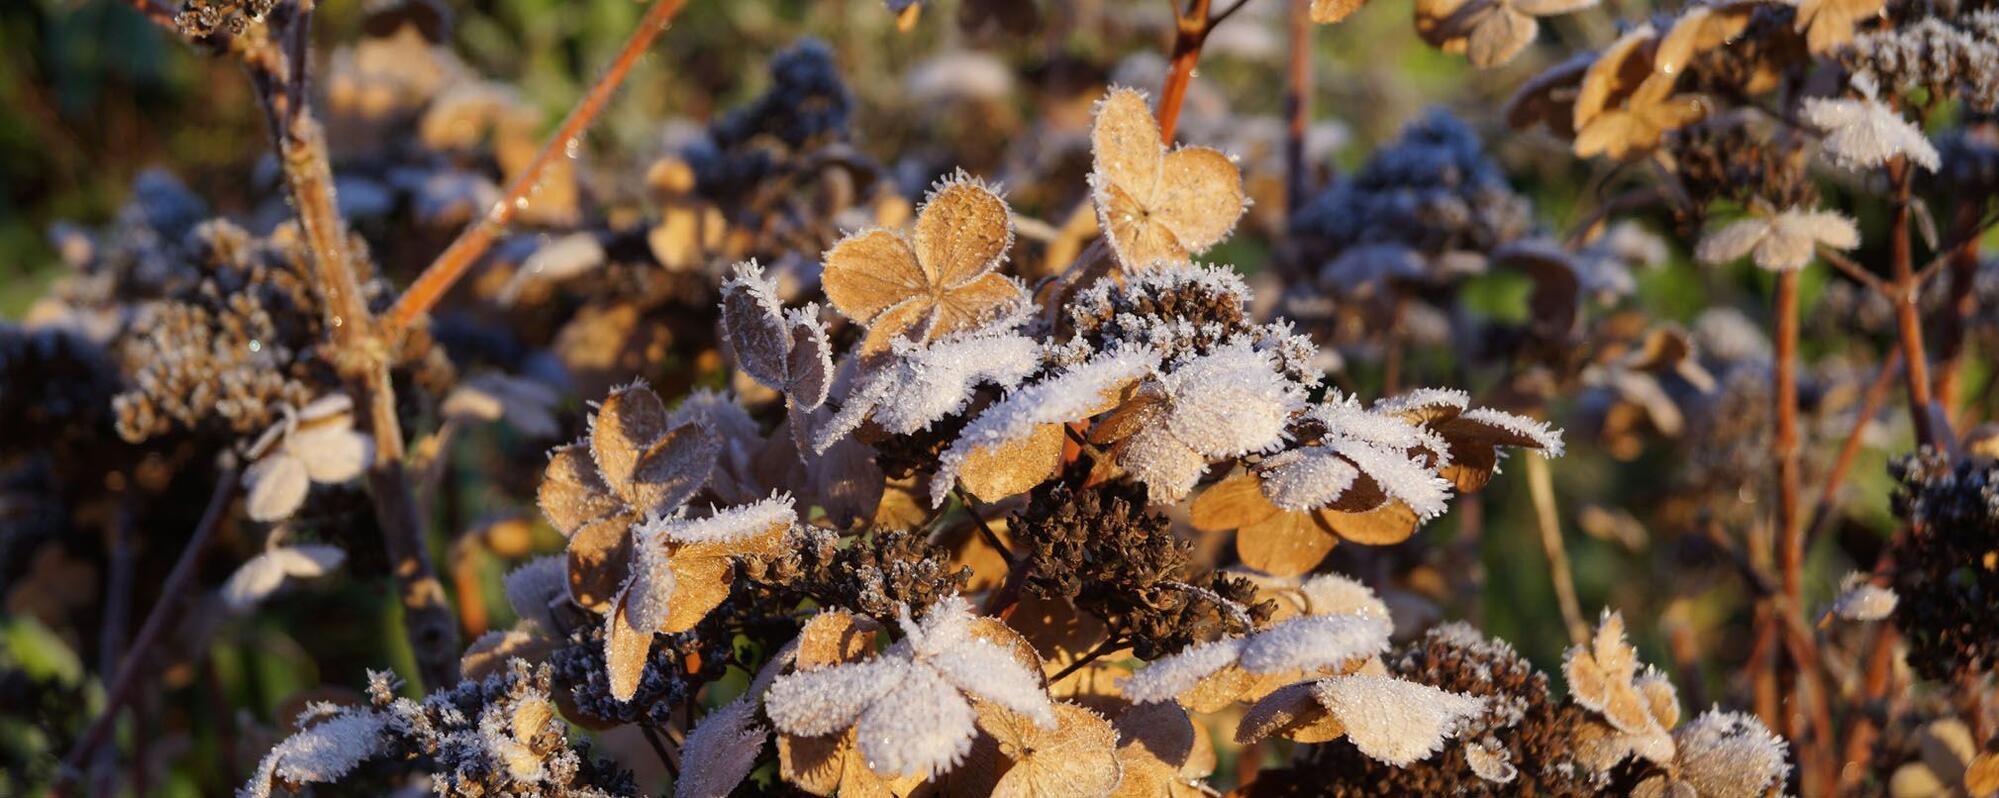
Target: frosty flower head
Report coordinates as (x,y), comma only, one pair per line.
(1865,133)
(939,280)
(918,385)
(1782,241)
(1391,720)
(1157,205)
(1489,32)
(1226,404)
(634,464)
(909,710)
(1339,637)
(1636,709)
(1722,754)
(1623,106)
(313,444)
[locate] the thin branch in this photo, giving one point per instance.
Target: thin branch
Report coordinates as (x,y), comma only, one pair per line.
(1859,273)
(1541,486)
(166,606)
(1908,316)
(1784,444)
(431,285)
(1189,33)
(1870,405)
(1106,647)
(1298,107)
(972,509)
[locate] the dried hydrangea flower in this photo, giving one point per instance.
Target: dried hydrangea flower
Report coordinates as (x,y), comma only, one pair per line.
(1865,133)
(909,707)
(1018,758)
(1949,763)
(680,571)
(937,281)
(1016,443)
(316,443)
(1860,599)
(263,574)
(1782,241)
(1327,12)
(632,466)
(1338,638)
(1157,205)
(1488,32)
(1226,404)
(1623,106)
(1636,709)
(785,351)
(916,385)
(1722,755)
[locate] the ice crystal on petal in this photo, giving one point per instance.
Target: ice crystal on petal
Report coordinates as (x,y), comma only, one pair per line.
(1069,396)
(1175,674)
(1400,477)
(924,384)
(1547,440)
(925,729)
(825,700)
(320,754)
(1731,753)
(721,751)
(1229,403)
(1313,641)
(731,524)
(1333,594)
(1865,133)
(1304,479)
(984,669)
(1395,721)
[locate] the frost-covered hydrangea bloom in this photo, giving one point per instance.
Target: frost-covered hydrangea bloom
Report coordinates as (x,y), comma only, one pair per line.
(313,444)
(1226,404)
(1017,442)
(1783,241)
(1866,133)
(922,383)
(1345,628)
(1635,709)
(1722,755)
(911,705)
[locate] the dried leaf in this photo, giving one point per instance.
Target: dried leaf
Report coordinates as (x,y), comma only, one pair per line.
(1292,712)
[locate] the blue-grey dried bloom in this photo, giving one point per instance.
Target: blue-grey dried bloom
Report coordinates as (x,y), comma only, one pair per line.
(1433,192)
(1951,58)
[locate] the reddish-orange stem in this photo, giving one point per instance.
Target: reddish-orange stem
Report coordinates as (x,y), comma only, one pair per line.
(431,285)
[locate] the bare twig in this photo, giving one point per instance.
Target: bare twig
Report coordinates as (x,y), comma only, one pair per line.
(1842,464)
(1784,444)
(1190,31)
(985,531)
(431,285)
(1859,273)
(1298,107)
(1908,318)
(166,606)
(1106,647)
(1541,485)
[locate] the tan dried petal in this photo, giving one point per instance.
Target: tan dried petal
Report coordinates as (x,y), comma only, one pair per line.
(962,231)
(1390,523)
(1218,690)
(625,426)
(836,636)
(1013,467)
(1232,503)
(1662,701)
(1292,712)
(673,469)
(625,650)
(868,272)
(1157,206)
(489,654)
(1155,743)
(1288,544)
(599,553)
(1076,758)
(1982,778)
(700,585)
